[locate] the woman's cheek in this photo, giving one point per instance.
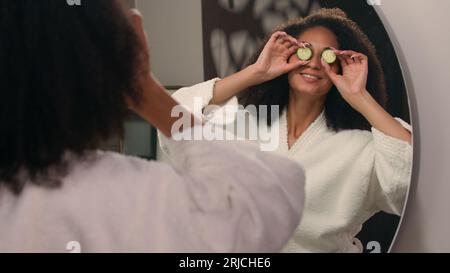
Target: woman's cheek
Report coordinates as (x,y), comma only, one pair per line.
(329,85)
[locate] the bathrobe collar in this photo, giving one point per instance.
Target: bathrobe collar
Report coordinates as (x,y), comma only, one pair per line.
(313,130)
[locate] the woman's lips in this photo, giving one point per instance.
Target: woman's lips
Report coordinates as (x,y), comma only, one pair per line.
(310,78)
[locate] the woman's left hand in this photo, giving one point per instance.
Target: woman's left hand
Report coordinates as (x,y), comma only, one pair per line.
(352,83)
(352,87)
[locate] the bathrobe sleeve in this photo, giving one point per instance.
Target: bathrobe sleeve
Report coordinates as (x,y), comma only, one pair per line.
(392,171)
(195,98)
(201,93)
(230,197)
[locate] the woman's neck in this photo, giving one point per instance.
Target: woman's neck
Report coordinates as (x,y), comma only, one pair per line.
(301,112)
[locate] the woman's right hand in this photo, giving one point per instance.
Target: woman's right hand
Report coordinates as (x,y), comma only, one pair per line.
(272,62)
(274,58)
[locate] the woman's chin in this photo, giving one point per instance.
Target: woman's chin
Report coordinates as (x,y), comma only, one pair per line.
(309,90)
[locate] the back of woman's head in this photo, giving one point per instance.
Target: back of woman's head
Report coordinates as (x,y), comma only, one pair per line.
(65,75)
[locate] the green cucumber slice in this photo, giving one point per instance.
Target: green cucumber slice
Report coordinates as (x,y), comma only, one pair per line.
(304,53)
(329,56)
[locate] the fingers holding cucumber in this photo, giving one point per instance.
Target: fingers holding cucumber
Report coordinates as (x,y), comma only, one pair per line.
(273,61)
(348,57)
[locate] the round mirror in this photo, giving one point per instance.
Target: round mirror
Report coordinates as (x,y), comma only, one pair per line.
(207,39)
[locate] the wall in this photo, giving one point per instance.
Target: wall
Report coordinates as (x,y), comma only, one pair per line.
(421,30)
(175,41)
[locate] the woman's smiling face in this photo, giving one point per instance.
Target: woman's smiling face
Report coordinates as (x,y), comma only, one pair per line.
(311,78)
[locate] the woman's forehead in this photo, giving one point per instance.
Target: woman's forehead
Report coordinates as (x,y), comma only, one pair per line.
(319,38)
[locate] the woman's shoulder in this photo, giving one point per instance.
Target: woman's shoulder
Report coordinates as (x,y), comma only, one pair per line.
(355,133)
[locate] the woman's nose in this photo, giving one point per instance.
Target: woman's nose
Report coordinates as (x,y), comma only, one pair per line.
(315,62)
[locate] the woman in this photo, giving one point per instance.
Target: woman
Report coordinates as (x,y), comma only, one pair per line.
(68,75)
(357,157)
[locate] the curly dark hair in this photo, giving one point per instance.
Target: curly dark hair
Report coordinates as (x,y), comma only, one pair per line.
(339,114)
(66,73)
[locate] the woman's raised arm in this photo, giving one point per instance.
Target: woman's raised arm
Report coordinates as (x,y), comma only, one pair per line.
(352,86)
(272,62)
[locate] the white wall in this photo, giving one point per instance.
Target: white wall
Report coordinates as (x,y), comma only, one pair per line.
(421,29)
(174,28)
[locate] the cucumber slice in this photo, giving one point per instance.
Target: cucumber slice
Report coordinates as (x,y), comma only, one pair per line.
(329,56)
(304,53)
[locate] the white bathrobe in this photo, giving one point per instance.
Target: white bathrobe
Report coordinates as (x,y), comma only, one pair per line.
(236,199)
(350,176)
